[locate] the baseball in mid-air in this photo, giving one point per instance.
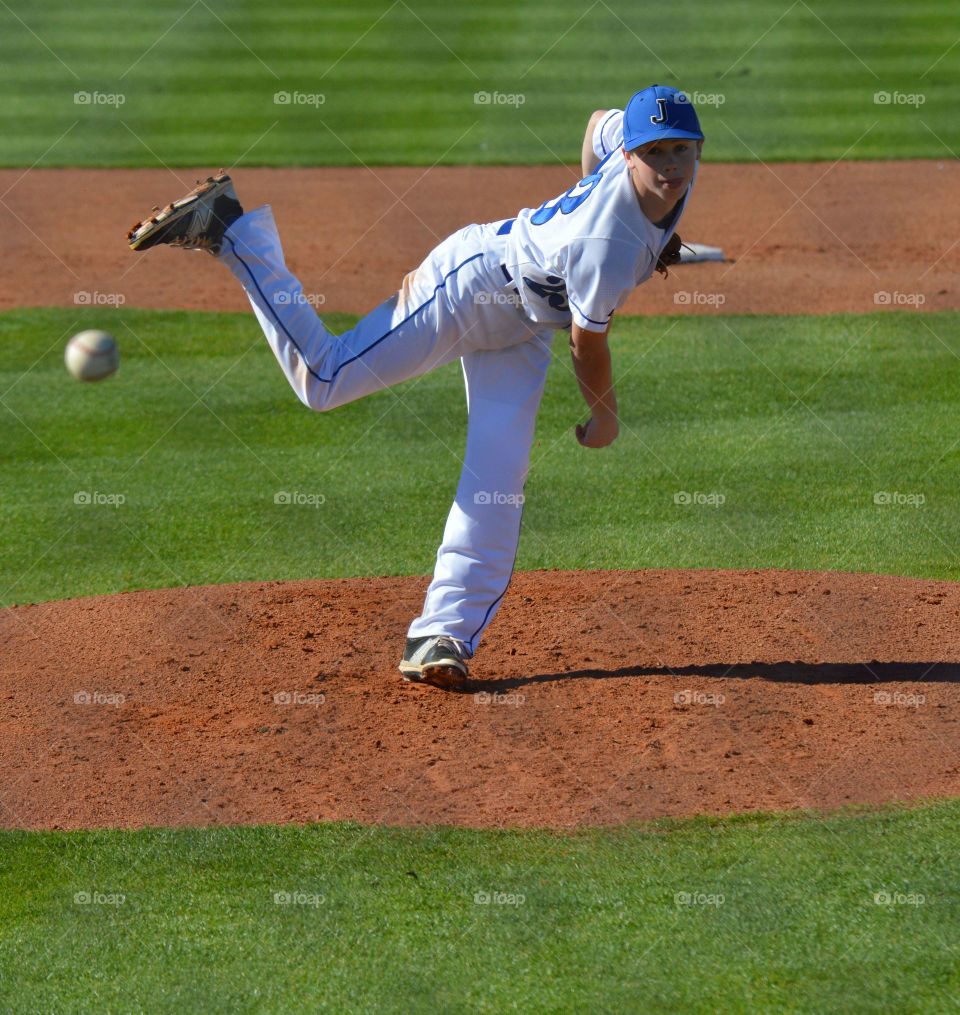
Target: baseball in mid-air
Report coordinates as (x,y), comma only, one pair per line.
(92,355)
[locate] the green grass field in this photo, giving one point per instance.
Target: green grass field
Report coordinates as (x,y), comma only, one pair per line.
(797,422)
(852,913)
(195,83)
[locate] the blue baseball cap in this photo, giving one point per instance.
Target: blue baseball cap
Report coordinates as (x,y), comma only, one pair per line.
(657,113)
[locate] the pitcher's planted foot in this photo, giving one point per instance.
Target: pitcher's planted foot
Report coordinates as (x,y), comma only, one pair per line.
(437,660)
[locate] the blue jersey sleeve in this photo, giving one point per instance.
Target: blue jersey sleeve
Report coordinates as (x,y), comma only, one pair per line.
(600,275)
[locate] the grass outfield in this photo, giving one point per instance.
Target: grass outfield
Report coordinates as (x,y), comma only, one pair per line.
(382,82)
(799,424)
(852,913)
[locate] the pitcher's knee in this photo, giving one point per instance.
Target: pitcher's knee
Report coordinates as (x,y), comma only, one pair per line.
(316,399)
(312,393)
(510,463)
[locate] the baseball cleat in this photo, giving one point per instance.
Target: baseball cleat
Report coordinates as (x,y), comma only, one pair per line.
(436,660)
(195,222)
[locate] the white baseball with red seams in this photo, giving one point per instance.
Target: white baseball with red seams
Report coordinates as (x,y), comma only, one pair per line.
(490,295)
(92,355)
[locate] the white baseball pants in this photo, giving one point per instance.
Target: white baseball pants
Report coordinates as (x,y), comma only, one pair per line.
(457,304)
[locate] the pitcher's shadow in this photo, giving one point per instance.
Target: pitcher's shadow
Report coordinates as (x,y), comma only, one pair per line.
(792,672)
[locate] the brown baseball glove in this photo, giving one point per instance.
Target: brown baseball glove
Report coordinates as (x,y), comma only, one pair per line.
(670,255)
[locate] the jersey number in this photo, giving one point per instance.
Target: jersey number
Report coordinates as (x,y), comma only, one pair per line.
(570,201)
(554,292)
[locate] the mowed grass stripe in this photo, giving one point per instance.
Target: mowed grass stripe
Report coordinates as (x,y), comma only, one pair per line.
(851,912)
(398,81)
(799,442)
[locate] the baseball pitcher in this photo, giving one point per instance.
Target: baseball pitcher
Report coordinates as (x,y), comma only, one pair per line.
(492,296)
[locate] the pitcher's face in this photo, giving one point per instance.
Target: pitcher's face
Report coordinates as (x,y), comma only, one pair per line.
(664,169)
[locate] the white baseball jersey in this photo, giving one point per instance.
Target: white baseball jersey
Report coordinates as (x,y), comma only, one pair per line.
(579,256)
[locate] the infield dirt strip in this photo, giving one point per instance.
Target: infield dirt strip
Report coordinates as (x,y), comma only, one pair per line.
(803,238)
(607,697)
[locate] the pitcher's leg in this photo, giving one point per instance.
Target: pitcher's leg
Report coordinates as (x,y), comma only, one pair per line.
(395,341)
(252,251)
(475,560)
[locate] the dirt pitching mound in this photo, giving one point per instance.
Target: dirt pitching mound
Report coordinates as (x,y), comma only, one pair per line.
(606,697)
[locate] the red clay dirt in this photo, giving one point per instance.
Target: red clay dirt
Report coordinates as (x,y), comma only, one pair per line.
(803,238)
(606,697)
